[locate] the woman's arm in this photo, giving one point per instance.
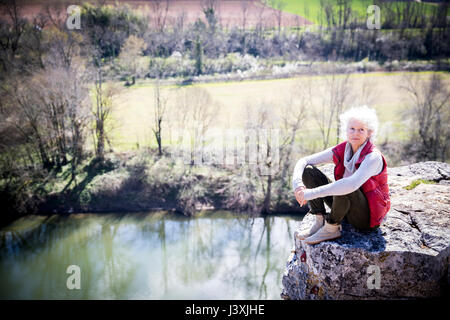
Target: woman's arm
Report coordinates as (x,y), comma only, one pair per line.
(316,158)
(370,166)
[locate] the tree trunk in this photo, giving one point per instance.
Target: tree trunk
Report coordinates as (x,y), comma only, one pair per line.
(100,140)
(266,204)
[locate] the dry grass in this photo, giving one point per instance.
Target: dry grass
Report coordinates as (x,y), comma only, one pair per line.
(133,115)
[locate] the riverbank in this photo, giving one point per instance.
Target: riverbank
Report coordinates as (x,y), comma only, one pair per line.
(136,181)
(142,181)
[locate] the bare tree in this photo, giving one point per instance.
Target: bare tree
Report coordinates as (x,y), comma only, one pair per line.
(244,10)
(181,110)
(160,9)
(129,56)
(260,17)
(12,31)
(78,112)
(335,95)
(55,13)
(278,5)
(293,115)
(211,9)
(50,110)
(25,116)
(63,47)
(340,92)
(35,42)
(276,135)
(344,12)
(160,106)
(180,21)
(105,95)
(368,93)
(262,120)
(202,110)
(328,8)
(195,112)
(430,113)
(67,105)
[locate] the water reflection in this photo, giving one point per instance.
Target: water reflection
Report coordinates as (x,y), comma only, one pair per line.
(146,256)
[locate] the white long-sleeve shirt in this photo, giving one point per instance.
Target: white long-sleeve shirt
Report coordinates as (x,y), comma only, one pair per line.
(370,166)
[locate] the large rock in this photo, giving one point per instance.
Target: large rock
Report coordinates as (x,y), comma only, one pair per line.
(407,257)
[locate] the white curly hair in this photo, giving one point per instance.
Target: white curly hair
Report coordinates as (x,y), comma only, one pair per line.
(366,115)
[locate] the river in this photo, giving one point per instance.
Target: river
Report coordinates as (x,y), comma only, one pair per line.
(158,255)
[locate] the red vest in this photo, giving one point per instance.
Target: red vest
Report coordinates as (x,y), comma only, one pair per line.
(375,188)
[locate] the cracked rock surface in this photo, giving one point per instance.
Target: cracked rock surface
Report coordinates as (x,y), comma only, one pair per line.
(407,257)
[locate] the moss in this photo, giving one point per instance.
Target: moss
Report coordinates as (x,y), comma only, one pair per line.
(415,183)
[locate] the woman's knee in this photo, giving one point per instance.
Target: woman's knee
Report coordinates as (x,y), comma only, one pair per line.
(313,177)
(308,176)
(308,171)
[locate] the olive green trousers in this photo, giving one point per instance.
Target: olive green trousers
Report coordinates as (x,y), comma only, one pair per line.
(353,206)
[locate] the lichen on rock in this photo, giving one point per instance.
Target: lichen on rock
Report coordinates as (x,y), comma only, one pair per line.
(407,257)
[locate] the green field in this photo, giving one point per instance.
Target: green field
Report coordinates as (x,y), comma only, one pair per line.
(133,115)
(311,9)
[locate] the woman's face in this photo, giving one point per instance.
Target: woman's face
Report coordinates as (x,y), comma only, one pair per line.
(357,133)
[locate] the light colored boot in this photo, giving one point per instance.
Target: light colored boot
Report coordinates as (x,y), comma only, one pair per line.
(316,226)
(327,232)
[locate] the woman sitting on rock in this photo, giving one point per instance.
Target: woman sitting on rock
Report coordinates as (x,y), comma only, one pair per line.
(360,192)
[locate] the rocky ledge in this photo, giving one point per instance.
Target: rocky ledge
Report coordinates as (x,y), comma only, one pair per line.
(406,258)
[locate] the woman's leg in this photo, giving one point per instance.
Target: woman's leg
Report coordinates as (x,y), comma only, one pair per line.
(312,178)
(354,207)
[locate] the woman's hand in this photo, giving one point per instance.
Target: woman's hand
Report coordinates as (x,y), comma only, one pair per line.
(300,195)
